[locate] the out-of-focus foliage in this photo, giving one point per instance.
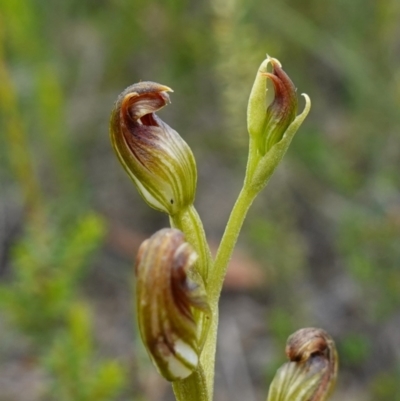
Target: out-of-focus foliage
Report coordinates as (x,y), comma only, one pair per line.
(329,229)
(72,361)
(48,268)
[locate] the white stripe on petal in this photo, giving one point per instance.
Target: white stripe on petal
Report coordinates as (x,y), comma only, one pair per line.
(186,352)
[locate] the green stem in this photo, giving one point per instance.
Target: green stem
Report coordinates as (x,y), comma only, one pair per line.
(194,388)
(235,222)
(189,222)
(200,385)
(232,230)
(258,172)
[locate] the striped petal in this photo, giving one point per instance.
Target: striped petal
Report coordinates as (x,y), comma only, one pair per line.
(172,309)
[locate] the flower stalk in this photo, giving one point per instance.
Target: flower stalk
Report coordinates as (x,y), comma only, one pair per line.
(271,131)
(178,283)
(188,221)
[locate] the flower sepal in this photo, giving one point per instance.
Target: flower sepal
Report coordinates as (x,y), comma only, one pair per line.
(156,158)
(271,128)
(310,374)
(267,164)
(172,309)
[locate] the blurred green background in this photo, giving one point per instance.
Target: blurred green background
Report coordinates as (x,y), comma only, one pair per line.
(320,247)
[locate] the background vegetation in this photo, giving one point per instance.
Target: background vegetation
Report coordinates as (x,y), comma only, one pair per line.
(321,246)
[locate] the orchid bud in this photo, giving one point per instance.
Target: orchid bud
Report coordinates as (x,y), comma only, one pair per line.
(156,158)
(310,375)
(172,308)
(267,126)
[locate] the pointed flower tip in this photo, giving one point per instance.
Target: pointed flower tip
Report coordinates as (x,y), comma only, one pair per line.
(166,88)
(156,158)
(268,125)
(308,102)
(167,297)
(268,60)
(273,60)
